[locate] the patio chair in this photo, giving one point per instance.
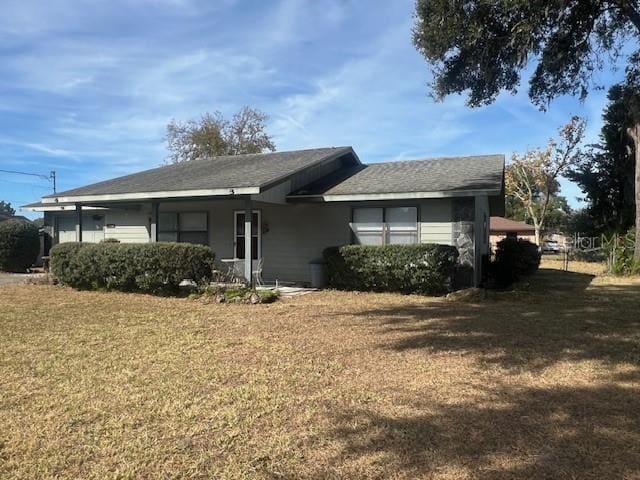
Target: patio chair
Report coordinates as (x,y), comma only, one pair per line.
(257,273)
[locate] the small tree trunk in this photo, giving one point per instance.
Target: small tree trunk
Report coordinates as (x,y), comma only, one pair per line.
(538,234)
(634,133)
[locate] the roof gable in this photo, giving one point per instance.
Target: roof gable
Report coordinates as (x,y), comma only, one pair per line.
(227,173)
(451,175)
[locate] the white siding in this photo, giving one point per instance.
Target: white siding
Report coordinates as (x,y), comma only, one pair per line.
(92,229)
(128,226)
(436,221)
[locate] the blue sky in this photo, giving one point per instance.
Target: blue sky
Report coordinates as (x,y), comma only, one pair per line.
(87,87)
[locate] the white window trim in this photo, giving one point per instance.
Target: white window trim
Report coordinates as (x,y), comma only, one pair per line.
(235,231)
(385,230)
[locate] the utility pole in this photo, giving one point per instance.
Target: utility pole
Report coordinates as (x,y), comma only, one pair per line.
(51,178)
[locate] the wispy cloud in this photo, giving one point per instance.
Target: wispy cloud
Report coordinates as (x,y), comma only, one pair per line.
(88,86)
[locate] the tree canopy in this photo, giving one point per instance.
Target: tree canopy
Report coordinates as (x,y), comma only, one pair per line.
(213,135)
(531,179)
(5,207)
(483,46)
(606,173)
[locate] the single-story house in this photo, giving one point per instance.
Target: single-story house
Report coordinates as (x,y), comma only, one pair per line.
(291,205)
(6,216)
(501,227)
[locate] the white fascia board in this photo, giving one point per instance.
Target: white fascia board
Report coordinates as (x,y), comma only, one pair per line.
(153,195)
(358,197)
(57,208)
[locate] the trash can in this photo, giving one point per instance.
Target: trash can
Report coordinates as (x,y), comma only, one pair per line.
(318,273)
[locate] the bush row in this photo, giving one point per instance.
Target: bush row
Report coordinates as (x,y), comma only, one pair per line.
(425,268)
(514,259)
(19,245)
(146,267)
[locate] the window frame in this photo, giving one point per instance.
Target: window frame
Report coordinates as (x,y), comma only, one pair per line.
(178,231)
(258,233)
(385,227)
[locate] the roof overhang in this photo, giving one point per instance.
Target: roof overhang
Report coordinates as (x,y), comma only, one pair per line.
(360,197)
(137,196)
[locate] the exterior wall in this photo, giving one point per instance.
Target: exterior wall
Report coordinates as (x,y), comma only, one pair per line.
(292,234)
(128,226)
(481,228)
(436,221)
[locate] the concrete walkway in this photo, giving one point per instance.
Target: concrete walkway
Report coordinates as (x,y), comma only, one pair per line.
(9,278)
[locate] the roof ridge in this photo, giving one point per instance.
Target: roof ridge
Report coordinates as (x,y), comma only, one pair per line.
(430,159)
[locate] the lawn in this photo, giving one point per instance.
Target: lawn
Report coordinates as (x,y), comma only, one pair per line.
(542,382)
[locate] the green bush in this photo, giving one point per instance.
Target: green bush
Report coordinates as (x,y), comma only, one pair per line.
(19,245)
(425,268)
(146,267)
(619,251)
(514,259)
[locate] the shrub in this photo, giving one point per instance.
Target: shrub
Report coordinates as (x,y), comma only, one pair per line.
(425,268)
(19,245)
(147,267)
(619,251)
(514,259)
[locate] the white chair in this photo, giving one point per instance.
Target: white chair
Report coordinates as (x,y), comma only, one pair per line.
(257,273)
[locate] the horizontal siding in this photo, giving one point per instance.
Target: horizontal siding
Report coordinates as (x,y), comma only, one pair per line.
(128,226)
(436,221)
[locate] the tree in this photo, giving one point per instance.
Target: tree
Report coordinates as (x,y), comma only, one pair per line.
(606,172)
(558,211)
(5,207)
(482,47)
(532,178)
(213,135)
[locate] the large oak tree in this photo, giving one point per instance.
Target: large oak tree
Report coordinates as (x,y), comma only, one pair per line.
(484,46)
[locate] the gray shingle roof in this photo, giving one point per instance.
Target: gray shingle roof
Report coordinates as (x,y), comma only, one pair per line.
(483,172)
(239,171)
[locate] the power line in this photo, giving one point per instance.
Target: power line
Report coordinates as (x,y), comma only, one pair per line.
(50,178)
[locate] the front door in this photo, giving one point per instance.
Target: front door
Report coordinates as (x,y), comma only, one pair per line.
(256,237)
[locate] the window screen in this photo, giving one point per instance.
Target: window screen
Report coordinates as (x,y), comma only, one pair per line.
(367,226)
(186,227)
(385,226)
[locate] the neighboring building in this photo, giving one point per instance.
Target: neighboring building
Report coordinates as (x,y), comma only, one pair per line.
(7,216)
(504,227)
(298,203)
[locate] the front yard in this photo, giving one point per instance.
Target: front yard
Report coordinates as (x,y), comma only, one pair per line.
(543,382)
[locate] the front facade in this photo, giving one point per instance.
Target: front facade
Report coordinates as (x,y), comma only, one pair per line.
(292,205)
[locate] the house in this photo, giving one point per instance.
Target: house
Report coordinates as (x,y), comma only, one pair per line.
(287,207)
(6,216)
(501,227)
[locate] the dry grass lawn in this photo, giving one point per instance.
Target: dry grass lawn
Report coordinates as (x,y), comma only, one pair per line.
(542,382)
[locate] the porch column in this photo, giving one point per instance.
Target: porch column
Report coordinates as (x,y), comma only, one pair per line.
(154,222)
(78,222)
(248,216)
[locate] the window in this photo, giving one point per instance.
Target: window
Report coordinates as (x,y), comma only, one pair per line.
(185,227)
(385,226)
(240,236)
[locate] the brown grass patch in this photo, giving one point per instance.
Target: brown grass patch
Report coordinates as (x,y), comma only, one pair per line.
(543,382)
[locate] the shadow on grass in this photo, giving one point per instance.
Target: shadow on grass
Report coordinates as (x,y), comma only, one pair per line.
(525,433)
(556,317)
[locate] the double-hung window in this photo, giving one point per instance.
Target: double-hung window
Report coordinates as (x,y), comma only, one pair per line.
(184,227)
(385,225)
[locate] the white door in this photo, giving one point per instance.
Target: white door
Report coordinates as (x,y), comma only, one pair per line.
(239,238)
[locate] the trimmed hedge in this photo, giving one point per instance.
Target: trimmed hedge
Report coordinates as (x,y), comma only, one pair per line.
(424,268)
(19,245)
(145,267)
(514,258)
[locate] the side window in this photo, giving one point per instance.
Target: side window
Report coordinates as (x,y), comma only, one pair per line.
(368,226)
(187,227)
(402,225)
(385,226)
